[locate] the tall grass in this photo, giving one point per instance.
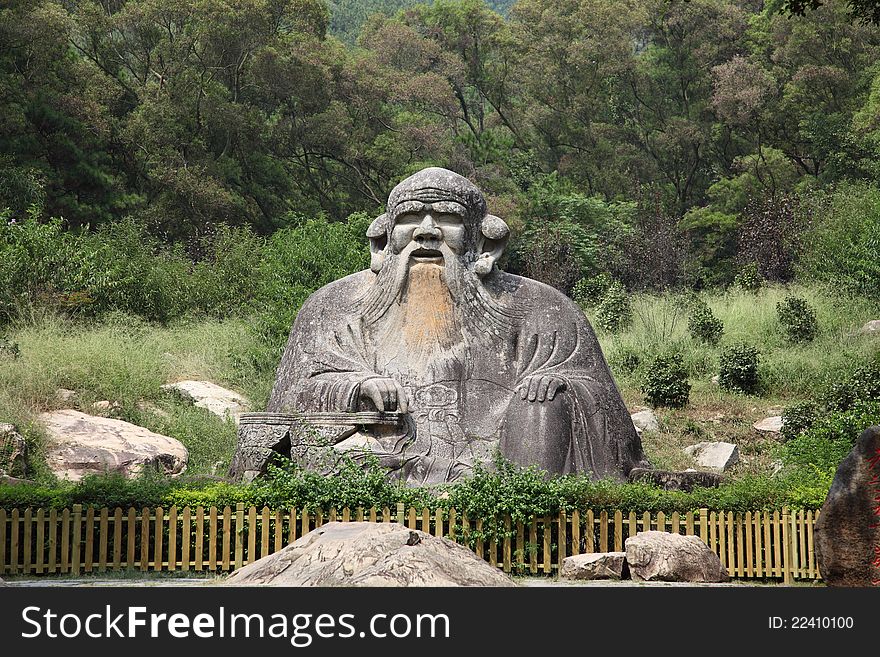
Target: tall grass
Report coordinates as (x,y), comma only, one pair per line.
(126,360)
(789,371)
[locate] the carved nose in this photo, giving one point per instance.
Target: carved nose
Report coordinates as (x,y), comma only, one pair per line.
(427,229)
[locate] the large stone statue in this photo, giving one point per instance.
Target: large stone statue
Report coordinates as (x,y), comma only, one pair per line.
(434,359)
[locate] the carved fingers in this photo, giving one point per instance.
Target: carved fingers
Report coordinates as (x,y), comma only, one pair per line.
(540,388)
(385,394)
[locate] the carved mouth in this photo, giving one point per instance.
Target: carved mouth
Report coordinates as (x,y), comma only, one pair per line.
(427,255)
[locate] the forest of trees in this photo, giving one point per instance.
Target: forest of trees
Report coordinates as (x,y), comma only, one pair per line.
(664,141)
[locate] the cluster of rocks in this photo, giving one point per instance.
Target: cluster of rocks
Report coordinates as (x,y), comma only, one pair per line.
(651,556)
(79,444)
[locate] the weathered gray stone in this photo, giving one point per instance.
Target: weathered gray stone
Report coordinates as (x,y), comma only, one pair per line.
(6,480)
(685,480)
(716,456)
(370,554)
(771,424)
(65,396)
(81,444)
(13,451)
(667,557)
(470,359)
(599,565)
(871,328)
(645,421)
(2,583)
(223,403)
(847,534)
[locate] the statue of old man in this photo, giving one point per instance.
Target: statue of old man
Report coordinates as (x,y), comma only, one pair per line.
(434,360)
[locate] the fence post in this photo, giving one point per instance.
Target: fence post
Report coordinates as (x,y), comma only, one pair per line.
(786,547)
(704,526)
(77,535)
(400,513)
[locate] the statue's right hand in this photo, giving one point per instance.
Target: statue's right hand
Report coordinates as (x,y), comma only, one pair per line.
(385,393)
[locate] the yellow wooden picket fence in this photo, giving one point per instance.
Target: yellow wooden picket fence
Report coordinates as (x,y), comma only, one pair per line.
(775,545)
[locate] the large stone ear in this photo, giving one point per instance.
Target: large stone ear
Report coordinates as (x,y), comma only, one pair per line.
(494,234)
(378,236)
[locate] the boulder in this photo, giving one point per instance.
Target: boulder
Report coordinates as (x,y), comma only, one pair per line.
(65,396)
(80,444)
(370,554)
(716,456)
(6,480)
(2,583)
(871,328)
(772,424)
(667,557)
(223,403)
(685,480)
(847,533)
(599,565)
(645,421)
(13,451)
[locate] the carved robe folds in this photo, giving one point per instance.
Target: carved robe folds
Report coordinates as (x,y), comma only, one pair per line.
(461,383)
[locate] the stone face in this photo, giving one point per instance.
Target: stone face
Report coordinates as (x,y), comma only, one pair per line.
(645,421)
(468,359)
(13,451)
(600,565)
(370,554)
(667,557)
(81,444)
(847,534)
(223,403)
(871,328)
(716,456)
(685,480)
(771,424)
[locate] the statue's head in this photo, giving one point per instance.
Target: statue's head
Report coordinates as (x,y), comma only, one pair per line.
(435,215)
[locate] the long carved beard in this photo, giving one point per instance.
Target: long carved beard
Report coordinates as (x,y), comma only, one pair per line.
(475,309)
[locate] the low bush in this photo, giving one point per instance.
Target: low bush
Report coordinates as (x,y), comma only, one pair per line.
(665,381)
(738,369)
(749,278)
(614,312)
(703,325)
(588,292)
(797,319)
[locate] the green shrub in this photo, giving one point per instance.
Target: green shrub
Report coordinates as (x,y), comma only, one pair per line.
(614,312)
(625,360)
(738,368)
(841,247)
(665,381)
(588,292)
(797,319)
(824,445)
(797,418)
(862,386)
(749,278)
(703,325)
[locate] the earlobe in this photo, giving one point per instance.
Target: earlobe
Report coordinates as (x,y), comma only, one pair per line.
(378,236)
(494,235)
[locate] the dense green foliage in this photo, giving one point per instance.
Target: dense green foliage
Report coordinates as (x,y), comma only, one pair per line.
(703,325)
(738,368)
(797,319)
(666,381)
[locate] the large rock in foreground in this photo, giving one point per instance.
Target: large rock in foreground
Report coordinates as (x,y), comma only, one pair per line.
(226,404)
(599,565)
(81,444)
(666,557)
(847,534)
(370,554)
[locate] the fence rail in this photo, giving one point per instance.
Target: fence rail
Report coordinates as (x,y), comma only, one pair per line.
(765,545)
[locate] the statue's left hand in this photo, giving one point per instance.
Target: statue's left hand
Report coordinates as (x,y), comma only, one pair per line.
(540,387)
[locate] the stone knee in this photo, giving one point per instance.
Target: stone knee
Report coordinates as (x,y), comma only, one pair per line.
(538,433)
